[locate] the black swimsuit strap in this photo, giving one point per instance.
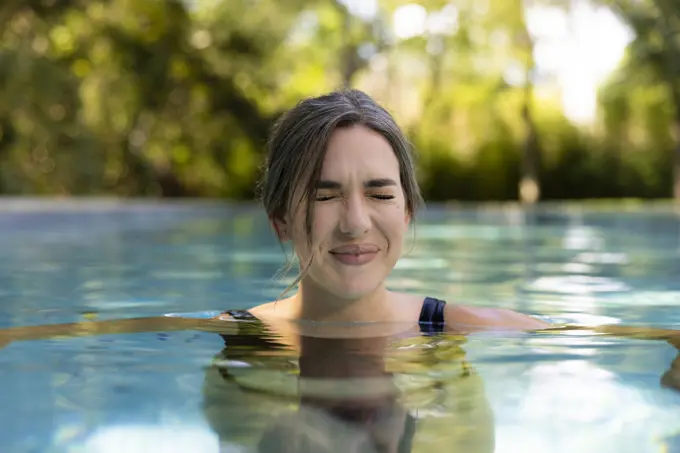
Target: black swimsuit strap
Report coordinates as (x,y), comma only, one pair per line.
(432,315)
(241,314)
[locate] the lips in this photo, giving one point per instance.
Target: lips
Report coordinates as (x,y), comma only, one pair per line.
(355,249)
(355,254)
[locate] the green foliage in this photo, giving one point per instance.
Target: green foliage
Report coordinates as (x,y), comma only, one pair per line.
(153,98)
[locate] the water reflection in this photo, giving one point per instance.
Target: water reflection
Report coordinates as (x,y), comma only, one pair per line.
(357,388)
(374,394)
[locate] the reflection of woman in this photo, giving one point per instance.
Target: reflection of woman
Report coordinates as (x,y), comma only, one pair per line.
(366,394)
(671,377)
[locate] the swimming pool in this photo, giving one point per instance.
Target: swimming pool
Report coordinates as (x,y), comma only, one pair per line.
(73,261)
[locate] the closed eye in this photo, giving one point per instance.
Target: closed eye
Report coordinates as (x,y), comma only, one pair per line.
(377,197)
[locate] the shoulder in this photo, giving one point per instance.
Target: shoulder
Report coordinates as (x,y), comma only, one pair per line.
(489,317)
(277,308)
(269,311)
(261,311)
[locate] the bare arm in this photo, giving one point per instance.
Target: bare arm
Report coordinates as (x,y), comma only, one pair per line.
(470,318)
(461,317)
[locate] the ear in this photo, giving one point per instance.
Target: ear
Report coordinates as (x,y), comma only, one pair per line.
(281,228)
(407,219)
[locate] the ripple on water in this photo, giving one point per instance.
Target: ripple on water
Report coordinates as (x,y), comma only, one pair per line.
(187,275)
(575,284)
(646,298)
(422,263)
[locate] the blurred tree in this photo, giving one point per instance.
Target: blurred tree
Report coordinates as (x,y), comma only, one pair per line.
(654,58)
(173,104)
(529,188)
(175,98)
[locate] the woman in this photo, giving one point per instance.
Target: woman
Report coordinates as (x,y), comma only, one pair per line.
(340,185)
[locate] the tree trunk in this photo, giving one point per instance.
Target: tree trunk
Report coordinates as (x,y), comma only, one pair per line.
(676,161)
(349,57)
(435,67)
(529,186)
(7,137)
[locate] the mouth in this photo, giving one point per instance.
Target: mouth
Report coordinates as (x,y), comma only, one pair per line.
(355,254)
(355,249)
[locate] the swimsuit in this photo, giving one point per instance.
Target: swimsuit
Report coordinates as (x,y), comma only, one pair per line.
(431,319)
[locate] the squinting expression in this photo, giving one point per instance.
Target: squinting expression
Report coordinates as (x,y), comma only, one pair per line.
(360,216)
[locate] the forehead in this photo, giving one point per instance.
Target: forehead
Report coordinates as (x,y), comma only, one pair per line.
(358,151)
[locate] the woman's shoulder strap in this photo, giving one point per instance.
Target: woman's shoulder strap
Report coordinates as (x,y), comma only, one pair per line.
(432,315)
(244,315)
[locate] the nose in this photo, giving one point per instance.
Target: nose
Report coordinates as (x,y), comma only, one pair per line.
(355,221)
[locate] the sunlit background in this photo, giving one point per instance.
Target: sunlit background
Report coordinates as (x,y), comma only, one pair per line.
(504,99)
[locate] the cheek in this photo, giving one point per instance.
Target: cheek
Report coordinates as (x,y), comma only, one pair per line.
(322,226)
(324,223)
(300,243)
(395,224)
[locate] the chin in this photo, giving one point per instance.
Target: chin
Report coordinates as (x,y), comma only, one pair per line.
(355,288)
(348,284)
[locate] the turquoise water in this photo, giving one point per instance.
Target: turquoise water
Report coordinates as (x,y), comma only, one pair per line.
(156,391)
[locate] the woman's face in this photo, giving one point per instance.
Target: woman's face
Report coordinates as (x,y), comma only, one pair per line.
(360,216)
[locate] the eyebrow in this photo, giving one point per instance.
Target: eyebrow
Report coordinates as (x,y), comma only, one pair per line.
(370,184)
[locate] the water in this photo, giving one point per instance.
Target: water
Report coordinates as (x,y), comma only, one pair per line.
(181,391)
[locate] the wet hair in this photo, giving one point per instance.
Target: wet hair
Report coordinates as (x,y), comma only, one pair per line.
(298,144)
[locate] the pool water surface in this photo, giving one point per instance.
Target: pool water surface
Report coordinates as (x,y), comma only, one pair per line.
(194,390)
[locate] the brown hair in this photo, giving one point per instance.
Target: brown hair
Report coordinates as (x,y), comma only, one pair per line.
(297,148)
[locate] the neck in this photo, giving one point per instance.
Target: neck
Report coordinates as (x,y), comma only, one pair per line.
(314,304)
